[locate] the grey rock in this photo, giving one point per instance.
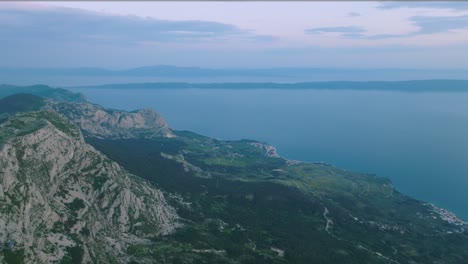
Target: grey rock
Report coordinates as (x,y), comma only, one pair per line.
(57,193)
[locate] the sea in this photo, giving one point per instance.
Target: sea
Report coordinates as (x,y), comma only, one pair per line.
(419,140)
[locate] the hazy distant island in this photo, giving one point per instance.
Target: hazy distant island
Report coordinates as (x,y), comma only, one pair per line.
(88,76)
(405,86)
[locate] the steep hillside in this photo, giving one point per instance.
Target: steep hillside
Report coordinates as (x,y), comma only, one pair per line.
(248,205)
(21,103)
(63,201)
(106,123)
(94,120)
(57,94)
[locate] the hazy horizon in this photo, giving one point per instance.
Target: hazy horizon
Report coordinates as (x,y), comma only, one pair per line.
(91,76)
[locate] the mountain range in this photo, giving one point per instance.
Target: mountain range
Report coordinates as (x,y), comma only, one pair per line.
(83,184)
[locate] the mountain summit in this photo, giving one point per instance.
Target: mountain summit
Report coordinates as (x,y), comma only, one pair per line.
(61,200)
(100,122)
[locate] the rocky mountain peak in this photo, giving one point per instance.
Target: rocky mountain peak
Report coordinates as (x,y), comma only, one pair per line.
(99,122)
(62,200)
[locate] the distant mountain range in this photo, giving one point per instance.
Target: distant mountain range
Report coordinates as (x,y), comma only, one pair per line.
(175,71)
(96,76)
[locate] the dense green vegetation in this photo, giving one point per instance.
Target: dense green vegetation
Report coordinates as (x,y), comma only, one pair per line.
(13,256)
(26,123)
(57,94)
(244,203)
(21,103)
(74,255)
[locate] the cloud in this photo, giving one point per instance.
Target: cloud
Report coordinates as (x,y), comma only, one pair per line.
(68,24)
(452,5)
(344,29)
(429,25)
(425,25)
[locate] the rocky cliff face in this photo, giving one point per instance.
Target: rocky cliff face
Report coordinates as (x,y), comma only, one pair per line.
(60,199)
(104,123)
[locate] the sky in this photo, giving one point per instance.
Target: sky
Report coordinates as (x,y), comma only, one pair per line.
(119,35)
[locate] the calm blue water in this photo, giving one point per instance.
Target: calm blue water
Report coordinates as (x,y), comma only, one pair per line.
(418,140)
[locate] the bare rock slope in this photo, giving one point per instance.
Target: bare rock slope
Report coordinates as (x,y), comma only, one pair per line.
(105,123)
(61,200)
